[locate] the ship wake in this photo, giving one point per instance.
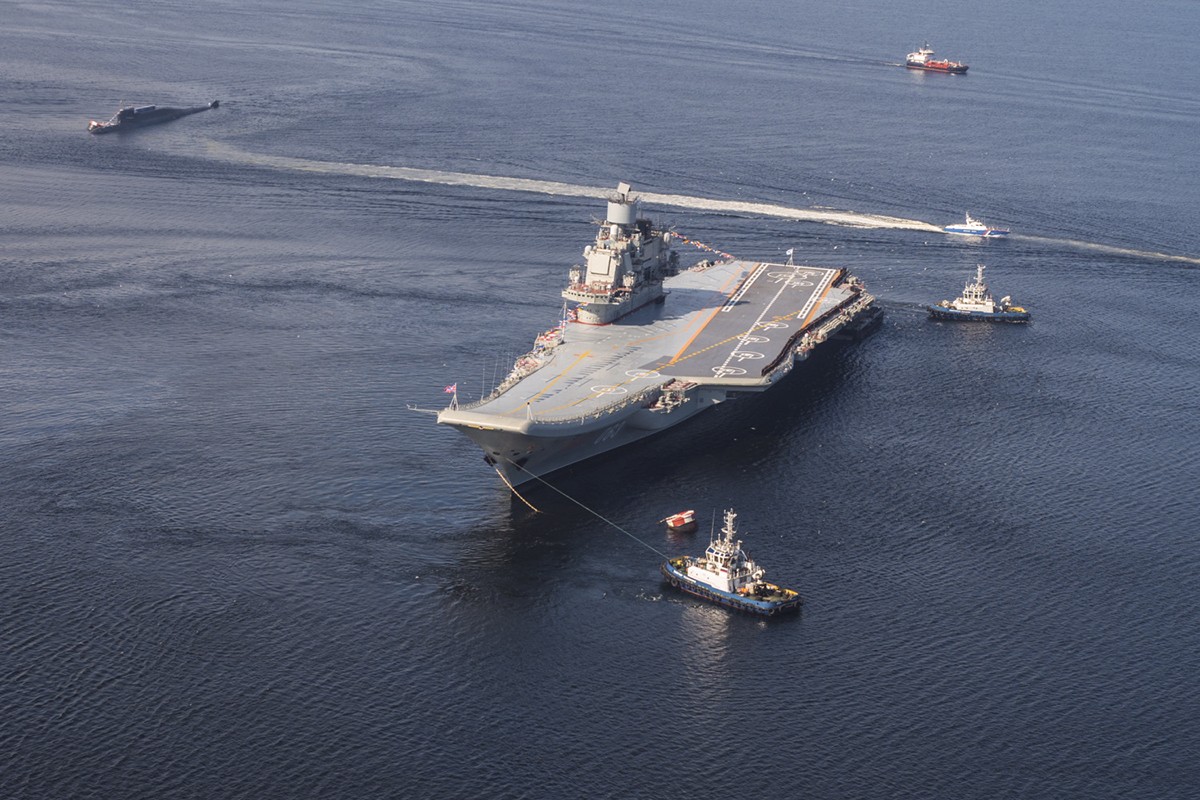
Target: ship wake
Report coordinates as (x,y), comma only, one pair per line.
(1108,249)
(853,219)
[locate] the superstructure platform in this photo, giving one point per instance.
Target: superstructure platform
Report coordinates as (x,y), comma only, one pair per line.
(721,330)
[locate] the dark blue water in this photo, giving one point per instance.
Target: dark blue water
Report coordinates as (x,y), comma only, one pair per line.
(232,564)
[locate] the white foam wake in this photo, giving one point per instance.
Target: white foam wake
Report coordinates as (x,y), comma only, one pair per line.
(852,219)
(1110,249)
(848,218)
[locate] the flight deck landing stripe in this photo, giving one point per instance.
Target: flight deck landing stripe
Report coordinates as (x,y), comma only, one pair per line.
(783,286)
(688,343)
(745,287)
(817,305)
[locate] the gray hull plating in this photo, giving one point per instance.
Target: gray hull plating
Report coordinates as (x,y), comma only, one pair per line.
(520,457)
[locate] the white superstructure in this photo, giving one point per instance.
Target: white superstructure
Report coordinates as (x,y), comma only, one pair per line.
(724,565)
(624,268)
(975,296)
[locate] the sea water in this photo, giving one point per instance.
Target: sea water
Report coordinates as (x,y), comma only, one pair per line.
(233,563)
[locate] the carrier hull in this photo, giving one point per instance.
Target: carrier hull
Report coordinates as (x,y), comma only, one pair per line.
(726,330)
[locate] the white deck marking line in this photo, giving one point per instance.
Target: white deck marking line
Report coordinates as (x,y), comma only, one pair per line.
(711,316)
(783,286)
(815,297)
(733,300)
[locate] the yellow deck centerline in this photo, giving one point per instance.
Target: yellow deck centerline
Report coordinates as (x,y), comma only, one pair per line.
(555,380)
(700,330)
(727,340)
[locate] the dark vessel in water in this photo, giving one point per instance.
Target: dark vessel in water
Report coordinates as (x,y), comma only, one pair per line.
(131,117)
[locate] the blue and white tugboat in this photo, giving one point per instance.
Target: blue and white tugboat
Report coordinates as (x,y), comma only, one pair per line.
(976,304)
(973,227)
(725,574)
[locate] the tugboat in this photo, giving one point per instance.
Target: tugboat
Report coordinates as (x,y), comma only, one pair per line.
(726,575)
(683,522)
(136,116)
(973,227)
(976,304)
(923,59)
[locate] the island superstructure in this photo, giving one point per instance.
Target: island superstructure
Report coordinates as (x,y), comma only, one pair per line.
(624,269)
(621,366)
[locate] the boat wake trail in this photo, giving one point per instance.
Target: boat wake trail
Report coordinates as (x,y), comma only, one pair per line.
(828,216)
(852,219)
(1108,249)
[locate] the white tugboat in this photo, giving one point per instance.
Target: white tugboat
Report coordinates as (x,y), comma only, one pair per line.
(725,574)
(976,303)
(626,266)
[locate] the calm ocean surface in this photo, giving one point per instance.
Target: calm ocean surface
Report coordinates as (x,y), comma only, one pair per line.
(234,565)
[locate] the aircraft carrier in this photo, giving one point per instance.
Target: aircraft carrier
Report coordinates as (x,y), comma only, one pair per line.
(649,345)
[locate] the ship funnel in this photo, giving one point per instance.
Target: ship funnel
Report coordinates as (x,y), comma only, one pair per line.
(623,207)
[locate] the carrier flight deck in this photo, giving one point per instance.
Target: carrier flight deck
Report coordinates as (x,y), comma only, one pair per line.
(663,345)
(705,333)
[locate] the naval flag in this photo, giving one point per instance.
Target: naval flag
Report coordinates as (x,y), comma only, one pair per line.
(451,389)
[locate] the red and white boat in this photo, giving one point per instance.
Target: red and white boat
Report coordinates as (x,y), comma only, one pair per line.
(683,522)
(923,59)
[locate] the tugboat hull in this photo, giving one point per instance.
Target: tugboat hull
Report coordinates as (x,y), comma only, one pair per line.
(941,312)
(954,69)
(768,608)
